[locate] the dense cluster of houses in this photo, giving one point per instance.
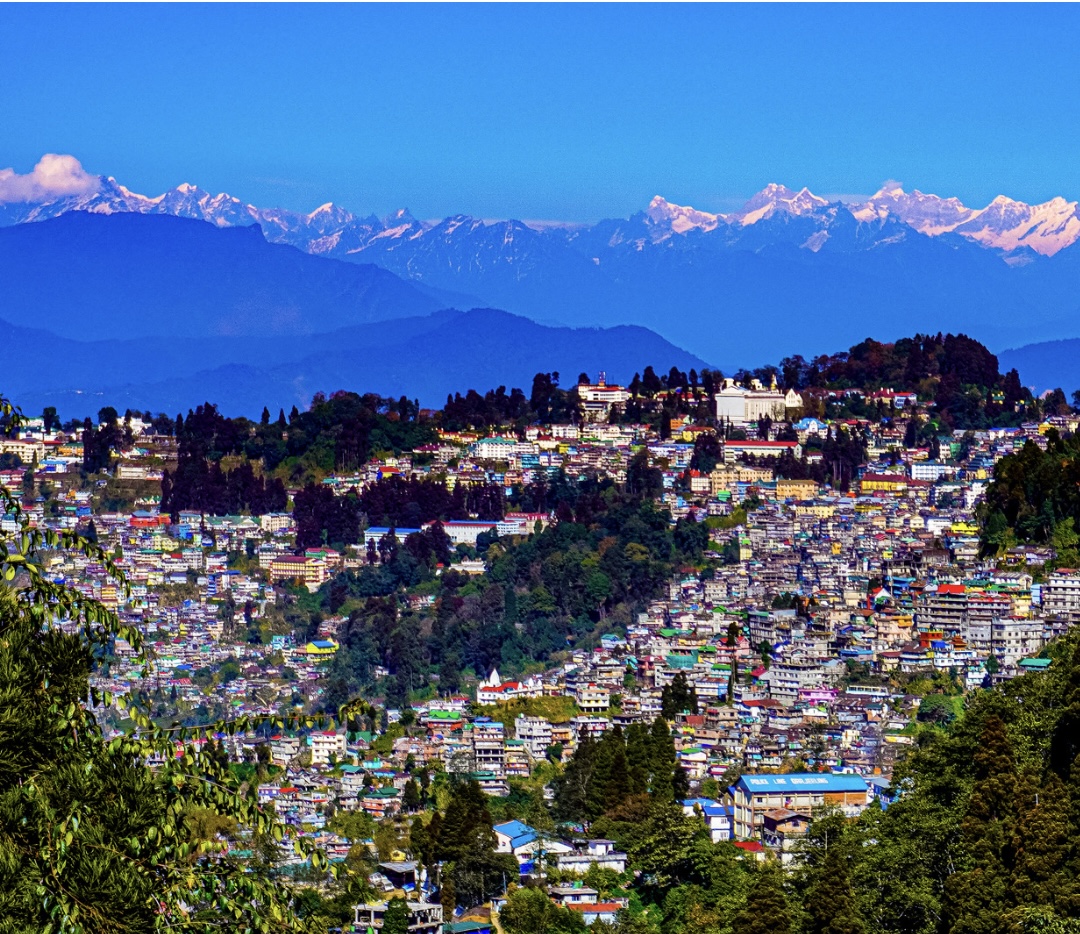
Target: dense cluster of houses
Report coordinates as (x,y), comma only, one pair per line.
(810,649)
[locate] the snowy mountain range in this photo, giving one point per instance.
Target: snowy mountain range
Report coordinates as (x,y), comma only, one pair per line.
(788,272)
(1005,225)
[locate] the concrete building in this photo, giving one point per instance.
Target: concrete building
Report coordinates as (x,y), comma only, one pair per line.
(803,793)
(424,917)
(738,405)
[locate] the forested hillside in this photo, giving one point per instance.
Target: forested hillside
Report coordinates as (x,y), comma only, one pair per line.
(611,551)
(1035,497)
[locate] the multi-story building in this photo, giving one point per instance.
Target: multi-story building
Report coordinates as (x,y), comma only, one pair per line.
(1061,593)
(598,400)
(489,747)
(535,733)
(1012,638)
(592,698)
(803,793)
(325,744)
(738,405)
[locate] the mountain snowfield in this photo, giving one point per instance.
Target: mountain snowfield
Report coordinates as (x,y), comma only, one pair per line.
(1005,225)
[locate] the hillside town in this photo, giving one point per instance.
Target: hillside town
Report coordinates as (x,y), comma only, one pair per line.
(833,625)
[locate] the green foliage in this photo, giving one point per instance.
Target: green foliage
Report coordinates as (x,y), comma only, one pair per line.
(678,697)
(92,839)
(396,918)
(602,775)
(831,907)
(466,844)
(530,911)
(766,910)
(1035,497)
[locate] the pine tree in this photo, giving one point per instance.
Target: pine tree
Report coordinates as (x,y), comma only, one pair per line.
(767,910)
(618,783)
(1065,742)
(830,904)
(410,799)
(447,898)
(396,918)
(1041,842)
(638,759)
(663,760)
(976,897)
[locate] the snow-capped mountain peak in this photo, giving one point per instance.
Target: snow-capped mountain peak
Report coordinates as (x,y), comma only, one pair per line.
(59,184)
(676,218)
(928,214)
(1008,225)
(774,198)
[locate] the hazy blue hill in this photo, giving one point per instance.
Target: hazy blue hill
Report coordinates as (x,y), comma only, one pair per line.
(1049,365)
(129,275)
(422,357)
(750,295)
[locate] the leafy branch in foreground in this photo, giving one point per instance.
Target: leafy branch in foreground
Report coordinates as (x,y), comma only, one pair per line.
(92,838)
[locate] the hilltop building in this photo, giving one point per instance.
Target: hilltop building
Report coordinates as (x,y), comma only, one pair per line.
(739,405)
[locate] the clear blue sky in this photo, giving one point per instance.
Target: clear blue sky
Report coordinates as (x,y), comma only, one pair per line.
(546,111)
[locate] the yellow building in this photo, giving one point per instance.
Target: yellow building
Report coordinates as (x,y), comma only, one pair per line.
(321,648)
(796,489)
(307,571)
(883,483)
(818,510)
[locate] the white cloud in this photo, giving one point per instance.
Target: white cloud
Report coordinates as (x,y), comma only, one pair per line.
(54,176)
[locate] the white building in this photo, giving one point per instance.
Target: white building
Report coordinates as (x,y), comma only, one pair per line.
(326,744)
(593,698)
(738,405)
(1061,593)
(1012,638)
(535,733)
(598,400)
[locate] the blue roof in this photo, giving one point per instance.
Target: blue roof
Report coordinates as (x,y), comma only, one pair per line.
(519,833)
(513,828)
(800,781)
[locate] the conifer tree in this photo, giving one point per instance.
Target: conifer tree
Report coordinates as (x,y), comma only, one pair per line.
(447,898)
(663,760)
(618,783)
(410,799)
(1065,742)
(767,910)
(830,904)
(976,897)
(637,758)
(1041,842)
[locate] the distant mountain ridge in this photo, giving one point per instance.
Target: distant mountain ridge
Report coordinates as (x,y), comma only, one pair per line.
(421,357)
(789,272)
(1004,224)
(87,276)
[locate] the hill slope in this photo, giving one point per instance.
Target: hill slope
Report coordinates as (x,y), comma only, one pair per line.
(426,358)
(92,276)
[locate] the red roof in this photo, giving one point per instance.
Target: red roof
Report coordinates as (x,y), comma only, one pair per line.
(595,906)
(751,846)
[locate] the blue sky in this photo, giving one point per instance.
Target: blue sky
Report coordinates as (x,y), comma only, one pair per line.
(573,112)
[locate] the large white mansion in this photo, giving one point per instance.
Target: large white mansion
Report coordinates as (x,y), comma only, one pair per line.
(738,405)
